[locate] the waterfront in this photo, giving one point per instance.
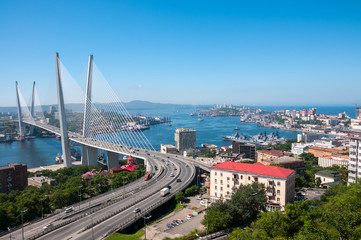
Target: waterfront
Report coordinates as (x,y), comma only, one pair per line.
(42,151)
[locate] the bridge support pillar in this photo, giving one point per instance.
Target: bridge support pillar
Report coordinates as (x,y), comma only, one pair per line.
(89,156)
(113,159)
(62,119)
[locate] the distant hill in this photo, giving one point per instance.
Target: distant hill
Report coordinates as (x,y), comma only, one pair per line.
(133,105)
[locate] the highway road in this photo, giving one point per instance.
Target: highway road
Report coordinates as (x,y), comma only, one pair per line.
(110,210)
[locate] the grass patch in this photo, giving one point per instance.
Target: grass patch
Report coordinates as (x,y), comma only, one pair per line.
(194,208)
(121,236)
(179,206)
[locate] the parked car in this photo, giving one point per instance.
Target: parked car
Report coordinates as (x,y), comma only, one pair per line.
(170,225)
(189,216)
(199,197)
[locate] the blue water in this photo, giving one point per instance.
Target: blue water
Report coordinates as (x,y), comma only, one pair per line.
(42,151)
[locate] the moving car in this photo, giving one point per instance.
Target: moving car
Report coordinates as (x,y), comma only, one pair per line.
(136,210)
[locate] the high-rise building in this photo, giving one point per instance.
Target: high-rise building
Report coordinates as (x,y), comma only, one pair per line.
(14,176)
(52,109)
(185,139)
(358,113)
(354,167)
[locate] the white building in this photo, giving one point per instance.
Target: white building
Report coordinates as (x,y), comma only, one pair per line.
(329,161)
(226,178)
(167,148)
(328,176)
(299,148)
(354,167)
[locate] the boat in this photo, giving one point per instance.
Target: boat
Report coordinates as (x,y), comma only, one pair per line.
(58,159)
(236,128)
(200,119)
(169,125)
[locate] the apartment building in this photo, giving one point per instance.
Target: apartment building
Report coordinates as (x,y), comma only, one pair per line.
(226,178)
(14,176)
(354,167)
(337,159)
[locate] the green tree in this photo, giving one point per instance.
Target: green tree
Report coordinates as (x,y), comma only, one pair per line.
(179,197)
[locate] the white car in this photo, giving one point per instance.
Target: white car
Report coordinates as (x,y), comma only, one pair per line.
(172,175)
(48,226)
(199,197)
(203,203)
(68,210)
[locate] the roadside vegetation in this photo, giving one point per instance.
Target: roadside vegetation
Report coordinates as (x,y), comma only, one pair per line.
(69,185)
(336,216)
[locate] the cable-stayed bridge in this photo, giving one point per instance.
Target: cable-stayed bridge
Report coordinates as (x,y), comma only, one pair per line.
(111,129)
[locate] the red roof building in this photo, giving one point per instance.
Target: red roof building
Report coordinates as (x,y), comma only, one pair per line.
(226,178)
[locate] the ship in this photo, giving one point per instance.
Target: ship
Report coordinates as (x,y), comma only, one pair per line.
(260,139)
(200,119)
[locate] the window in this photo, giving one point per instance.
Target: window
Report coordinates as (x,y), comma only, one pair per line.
(221,195)
(221,174)
(278,183)
(227,178)
(221,188)
(278,199)
(227,192)
(249,178)
(241,176)
(215,187)
(270,183)
(215,173)
(278,192)
(221,181)
(215,180)
(215,194)
(227,185)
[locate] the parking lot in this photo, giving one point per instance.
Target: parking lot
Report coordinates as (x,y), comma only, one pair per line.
(160,230)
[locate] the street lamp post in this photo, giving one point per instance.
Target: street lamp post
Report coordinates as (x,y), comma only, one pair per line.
(41,202)
(124,186)
(22,222)
(79,196)
(145,225)
(91,217)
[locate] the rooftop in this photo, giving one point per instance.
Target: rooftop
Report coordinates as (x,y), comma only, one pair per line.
(278,153)
(256,168)
(284,160)
(327,173)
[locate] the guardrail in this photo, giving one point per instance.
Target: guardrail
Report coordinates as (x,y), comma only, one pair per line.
(138,189)
(128,222)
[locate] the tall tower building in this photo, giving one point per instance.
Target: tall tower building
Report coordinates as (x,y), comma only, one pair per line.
(358,112)
(185,139)
(354,167)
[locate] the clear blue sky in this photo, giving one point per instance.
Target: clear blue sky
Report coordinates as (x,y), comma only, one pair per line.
(196,52)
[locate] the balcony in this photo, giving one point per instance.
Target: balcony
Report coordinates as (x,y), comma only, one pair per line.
(352,174)
(352,167)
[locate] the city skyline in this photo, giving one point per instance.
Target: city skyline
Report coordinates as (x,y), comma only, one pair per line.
(189,52)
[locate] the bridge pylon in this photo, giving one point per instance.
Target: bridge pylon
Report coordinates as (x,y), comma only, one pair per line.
(62,117)
(20,118)
(32,109)
(89,154)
